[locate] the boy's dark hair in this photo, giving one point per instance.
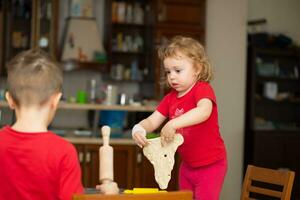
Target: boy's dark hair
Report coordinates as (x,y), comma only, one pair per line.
(32,77)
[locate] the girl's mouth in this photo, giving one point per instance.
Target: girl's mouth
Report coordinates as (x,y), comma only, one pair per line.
(174,85)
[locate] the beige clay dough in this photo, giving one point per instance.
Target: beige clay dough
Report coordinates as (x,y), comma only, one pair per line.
(162,158)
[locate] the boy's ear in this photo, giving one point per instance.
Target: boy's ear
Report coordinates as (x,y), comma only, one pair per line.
(55,99)
(10,100)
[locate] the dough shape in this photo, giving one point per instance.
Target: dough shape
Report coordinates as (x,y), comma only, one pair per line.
(162,158)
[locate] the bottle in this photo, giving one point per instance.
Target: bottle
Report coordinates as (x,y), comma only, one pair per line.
(92,90)
(111,95)
(134,70)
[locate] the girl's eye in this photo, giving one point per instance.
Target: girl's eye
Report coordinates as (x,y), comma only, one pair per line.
(167,72)
(178,70)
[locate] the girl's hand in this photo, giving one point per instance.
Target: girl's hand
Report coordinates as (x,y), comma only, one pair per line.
(167,133)
(139,135)
(139,139)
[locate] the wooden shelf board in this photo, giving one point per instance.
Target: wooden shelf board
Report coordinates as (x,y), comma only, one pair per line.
(77,106)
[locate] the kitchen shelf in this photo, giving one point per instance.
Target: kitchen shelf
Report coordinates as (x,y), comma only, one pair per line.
(77,106)
(129,25)
(76,65)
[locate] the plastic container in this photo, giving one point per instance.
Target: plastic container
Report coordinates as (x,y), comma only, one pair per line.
(115,120)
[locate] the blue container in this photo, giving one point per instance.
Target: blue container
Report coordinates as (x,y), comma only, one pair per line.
(115,120)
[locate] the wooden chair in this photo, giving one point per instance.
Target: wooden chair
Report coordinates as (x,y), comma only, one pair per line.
(178,195)
(263,181)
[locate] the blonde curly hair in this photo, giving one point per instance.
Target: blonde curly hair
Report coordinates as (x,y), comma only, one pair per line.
(193,50)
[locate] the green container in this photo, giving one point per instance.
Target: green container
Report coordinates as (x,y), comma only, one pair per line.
(81,97)
(152,135)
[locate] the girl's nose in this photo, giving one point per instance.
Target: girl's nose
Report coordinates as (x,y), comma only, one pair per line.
(172,75)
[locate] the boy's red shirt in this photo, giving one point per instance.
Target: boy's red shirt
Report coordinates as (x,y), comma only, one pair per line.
(37,166)
(203,143)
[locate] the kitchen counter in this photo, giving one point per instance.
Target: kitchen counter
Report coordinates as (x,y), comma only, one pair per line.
(97,107)
(87,140)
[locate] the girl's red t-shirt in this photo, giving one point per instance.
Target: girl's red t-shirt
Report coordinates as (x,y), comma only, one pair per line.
(203,143)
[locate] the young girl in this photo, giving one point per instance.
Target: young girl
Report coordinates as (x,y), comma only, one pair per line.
(191,110)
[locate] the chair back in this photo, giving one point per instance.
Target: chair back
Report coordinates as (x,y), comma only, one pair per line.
(178,195)
(266,182)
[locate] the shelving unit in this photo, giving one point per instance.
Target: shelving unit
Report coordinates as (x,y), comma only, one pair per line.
(274,83)
(273,109)
(26,24)
(129,39)
(176,17)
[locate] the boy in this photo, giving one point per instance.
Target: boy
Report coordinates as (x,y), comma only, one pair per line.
(35,163)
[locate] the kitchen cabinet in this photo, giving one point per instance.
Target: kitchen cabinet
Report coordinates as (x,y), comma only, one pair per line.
(131,168)
(89,160)
(27,24)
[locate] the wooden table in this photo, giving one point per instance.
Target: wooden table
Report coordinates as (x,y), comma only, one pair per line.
(176,195)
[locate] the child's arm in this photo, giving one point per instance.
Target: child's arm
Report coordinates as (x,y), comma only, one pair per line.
(147,125)
(192,117)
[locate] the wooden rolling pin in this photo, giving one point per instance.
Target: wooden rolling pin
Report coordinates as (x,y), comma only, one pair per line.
(106,166)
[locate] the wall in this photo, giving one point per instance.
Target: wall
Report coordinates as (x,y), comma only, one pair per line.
(226,47)
(282,16)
